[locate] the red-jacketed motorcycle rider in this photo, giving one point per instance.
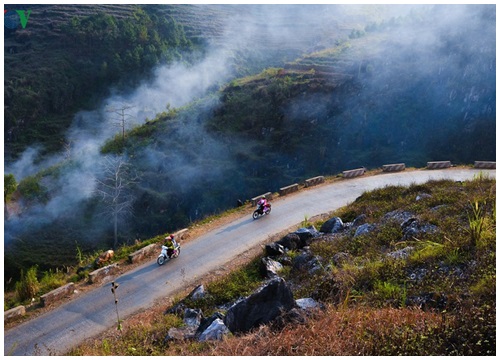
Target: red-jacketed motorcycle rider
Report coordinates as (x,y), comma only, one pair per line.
(263,204)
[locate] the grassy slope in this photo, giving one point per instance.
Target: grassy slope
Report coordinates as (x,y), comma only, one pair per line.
(368,299)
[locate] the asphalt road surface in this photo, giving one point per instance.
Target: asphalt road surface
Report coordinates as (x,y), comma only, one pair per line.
(56,332)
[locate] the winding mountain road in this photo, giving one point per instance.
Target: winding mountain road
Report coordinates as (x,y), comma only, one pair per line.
(56,332)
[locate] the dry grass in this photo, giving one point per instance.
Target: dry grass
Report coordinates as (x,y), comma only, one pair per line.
(358,331)
(334,332)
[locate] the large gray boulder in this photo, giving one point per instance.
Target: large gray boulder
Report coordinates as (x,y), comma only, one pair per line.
(261,307)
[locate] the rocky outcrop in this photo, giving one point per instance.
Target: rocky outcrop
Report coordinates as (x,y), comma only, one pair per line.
(265,305)
(261,307)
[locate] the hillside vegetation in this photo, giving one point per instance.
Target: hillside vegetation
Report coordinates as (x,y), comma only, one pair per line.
(385,291)
(68,57)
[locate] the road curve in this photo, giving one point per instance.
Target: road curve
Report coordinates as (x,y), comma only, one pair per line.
(56,332)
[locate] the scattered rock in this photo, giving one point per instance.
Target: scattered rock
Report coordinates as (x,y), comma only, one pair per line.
(306,235)
(423,196)
(184,333)
(300,262)
(205,323)
(215,331)
(197,293)
(360,220)
(178,309)
(401,254)
(294,316)
(314,265)
(307,303)
(270,268)
(192,317)
(334,225)
(413,227)
(364,229)
(397,215)
(290,241)
(274,249)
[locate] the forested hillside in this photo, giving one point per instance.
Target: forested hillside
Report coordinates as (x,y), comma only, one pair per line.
(241,102)
(66,59)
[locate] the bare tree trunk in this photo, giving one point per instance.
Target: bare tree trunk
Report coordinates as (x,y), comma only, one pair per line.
(116,231)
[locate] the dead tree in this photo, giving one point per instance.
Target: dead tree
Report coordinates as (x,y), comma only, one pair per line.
(121,117)
(114,189)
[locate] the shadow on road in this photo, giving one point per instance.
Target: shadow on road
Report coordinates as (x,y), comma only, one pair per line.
(236,226)
(138,273)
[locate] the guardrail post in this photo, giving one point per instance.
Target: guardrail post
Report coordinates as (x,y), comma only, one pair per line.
(353,173)
(314,181)
(289,189)
(485,164)
(393,167)
(438,164)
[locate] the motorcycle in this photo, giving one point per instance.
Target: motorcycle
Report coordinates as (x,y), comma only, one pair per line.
(166,254)
(261,211)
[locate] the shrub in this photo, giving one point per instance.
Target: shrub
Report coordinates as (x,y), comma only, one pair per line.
(52,280)
(28,286)
(9,186)
(31,189)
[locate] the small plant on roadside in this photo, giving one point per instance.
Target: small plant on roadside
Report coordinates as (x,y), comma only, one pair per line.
(477,220)
(305,223)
